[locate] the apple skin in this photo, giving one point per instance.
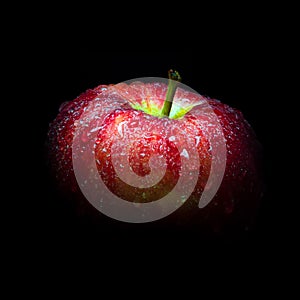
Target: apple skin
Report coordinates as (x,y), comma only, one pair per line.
(236,204)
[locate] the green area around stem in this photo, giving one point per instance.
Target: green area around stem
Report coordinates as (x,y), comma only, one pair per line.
(156,110)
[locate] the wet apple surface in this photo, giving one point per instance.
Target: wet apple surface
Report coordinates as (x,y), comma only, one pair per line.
(138,108)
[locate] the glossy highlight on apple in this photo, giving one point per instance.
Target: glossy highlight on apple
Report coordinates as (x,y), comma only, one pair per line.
(153,157)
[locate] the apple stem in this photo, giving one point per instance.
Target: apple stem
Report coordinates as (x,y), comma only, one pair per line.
(174,78)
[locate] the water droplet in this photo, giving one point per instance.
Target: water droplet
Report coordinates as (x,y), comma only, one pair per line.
(120,128)
(95,129)
(198,138)
(185,153)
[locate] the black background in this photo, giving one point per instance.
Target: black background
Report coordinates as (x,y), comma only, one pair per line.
(234,61)
(237,53)
(233,53)
(236,73)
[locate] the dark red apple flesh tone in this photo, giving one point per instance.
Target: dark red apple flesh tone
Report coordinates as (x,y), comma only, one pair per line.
(237,199)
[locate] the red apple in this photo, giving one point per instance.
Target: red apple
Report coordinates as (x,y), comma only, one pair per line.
(140,120)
